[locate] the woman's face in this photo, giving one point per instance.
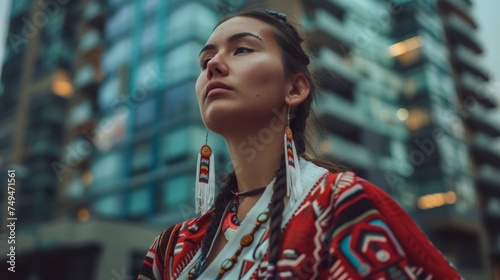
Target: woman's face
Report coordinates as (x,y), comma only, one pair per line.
(242,76)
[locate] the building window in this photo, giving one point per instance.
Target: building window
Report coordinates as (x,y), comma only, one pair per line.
(182,62)
(75,188)
(142,157)
(455,154)
(108,206)
(181,143)
(417,119)
(466,195)
(376,143)
(150,6)
(107,168)
(111,129)
(178,193)
(81,112)
(118,54)
(145,113)
(149,37)
(493,207)
(120,22)
(193,19)
(178,99)
(140,201)
(407,52)
(149,77)
(109,93)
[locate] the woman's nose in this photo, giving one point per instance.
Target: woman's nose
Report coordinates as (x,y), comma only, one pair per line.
(216,67)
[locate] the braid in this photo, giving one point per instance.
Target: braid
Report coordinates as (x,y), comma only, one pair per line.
(276,213)
(221,201)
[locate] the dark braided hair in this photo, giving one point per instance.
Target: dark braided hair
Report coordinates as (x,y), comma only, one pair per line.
(221,201)
(295,60)
(276,213)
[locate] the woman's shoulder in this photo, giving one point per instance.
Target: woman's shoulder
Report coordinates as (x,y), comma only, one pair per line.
(347,185)
(349,182)
(189,229)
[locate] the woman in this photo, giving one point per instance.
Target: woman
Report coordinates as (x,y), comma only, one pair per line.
(281,214)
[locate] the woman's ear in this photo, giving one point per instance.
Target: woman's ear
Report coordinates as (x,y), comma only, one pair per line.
(299,90)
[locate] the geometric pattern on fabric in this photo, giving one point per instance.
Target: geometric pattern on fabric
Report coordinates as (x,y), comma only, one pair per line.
(346,228)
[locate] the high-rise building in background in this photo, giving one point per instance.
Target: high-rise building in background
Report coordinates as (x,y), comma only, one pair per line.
(35,89)
(451,129)
(102,124)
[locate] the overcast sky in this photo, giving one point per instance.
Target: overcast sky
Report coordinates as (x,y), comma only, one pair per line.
(484,11)
(4,10)
(486,14)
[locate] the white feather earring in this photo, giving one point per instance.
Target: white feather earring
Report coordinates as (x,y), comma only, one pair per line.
(293,177)
(205,179)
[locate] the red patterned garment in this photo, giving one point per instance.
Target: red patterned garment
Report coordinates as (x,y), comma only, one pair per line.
(343,228)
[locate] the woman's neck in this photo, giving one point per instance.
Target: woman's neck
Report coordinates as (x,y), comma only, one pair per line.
(256,158)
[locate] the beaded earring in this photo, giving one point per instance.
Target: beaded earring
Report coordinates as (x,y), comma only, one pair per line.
(292,164)
(205,179)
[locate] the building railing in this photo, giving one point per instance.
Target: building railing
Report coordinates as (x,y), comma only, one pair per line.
(351,152)
(92,10)
(334,62)
(490,118)
(487,142)
(469,58)
(466,31)
(89,41)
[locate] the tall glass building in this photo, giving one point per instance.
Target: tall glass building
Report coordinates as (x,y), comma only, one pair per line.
(36,83)
(394,104)
(452,130)
(111,161)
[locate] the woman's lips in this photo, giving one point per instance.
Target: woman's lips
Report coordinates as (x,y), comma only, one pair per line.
(216,88)
(217,91)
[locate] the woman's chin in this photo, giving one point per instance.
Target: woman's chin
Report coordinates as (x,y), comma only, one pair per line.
(219,120)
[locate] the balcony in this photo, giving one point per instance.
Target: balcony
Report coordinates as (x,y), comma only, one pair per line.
(486,150)
(431,23)
(478,119)
(335,73)
(459,31)
(488,179)
(351,152)
(87,78)
(347,115)
(327,30)
(89,41)
(460,7)
(466,60)
(343,117)
(19,7)
(491,218)
(94,14)
(471,88)
(43,147)
(331,6)
(81,113)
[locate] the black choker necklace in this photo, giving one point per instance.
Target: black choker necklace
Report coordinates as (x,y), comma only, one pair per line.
(251,192)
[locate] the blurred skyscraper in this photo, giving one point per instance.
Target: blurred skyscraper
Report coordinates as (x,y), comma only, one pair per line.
(100,113)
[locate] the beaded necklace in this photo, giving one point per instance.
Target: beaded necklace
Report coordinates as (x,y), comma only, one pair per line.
(245,241)
(229,227)
(231,223)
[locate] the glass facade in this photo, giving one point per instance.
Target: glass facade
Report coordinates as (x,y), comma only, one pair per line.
(149,72)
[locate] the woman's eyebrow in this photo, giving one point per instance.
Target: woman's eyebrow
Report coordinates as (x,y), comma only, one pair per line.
(231,38)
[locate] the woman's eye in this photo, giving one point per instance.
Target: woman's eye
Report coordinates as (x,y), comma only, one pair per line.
(242,50)
(204,63)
